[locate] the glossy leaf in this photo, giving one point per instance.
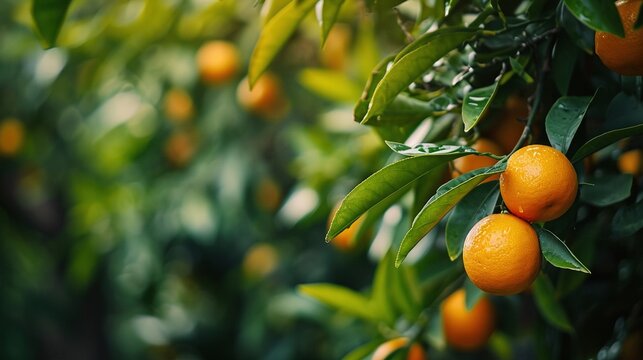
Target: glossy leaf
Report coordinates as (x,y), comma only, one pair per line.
(476,104)
(599,15)
(579,34)
(628,220)
(548,304)
(476,205)
(606,139)
(607,189)
(342,299)
(49,16)
(274,36)
(426,186)
(330,84)
(427,38)
(381,298)
(389,181)
(472,294)
(412,66)
(564,59)
(327,16)
(362,352)
(376,76)
(624,110)
(447,196)
(428,149)
(270,8)
(405,291)
(563,120)
(584,247)
(556,251)
(405,109)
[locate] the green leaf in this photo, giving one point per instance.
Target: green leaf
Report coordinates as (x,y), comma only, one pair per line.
(405,109)
(427,38)
(564,59)
(605,139)
(381,299)
(270,8)
(376,76)
(476,104)
(548,305)
(389,181)
(624,110)
(628,220)
(579,34)
(447,196)
(426,186)
(563,120)
(598,15)
(330,84)
(607,189)
(429,149)
(556,252)
(342,299)
(49,16)
(329,11)
(584,246)
(412,66)
(274,36)
(473,207)
(362,351)
(472,294)
(405,291)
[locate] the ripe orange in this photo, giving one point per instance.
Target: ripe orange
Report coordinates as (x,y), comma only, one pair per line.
(266,98)
(218,62)
(630,162)
(268,195)
(12,135)
(335,51)
(539,184)
(623,55)
(416,352)
(501,254)
(345,240)
(467,329)
(178,106)
(508,128)
(472,162)
(260,260)
(180,148)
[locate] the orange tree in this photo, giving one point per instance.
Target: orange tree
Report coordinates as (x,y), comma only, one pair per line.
(453,66)
(450,68)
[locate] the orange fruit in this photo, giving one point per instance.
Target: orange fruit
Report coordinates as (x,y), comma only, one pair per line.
(472,162)
(467,329)
(178,106)
(180,148)
(630,162)
(266,98)
(12,134)
(335,51)
(218,62)
(345,240)
(539,183)
(268,195)
(501,254)
(623,55)
(260,260)
(416,352)
(508,128)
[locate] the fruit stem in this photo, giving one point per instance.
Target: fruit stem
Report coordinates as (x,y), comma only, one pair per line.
(540,86)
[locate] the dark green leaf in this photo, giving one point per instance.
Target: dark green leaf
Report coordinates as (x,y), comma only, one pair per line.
(429,149)
(563,120)
(274,35)
(426,186)
(425,39)
(49,15)
(607,189)
(473,207)
(599,15)
(472,294)
(342,299)
(556,252)
(579,34)
(382,299)
(405,292)
(330,10)
(476,104)
(376,76)
(624,110)
(405,109)
(584,246)
(605,139)
(563,63)
(389,181)
(447,196)
(412,66)
(548,305)
(628,220)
